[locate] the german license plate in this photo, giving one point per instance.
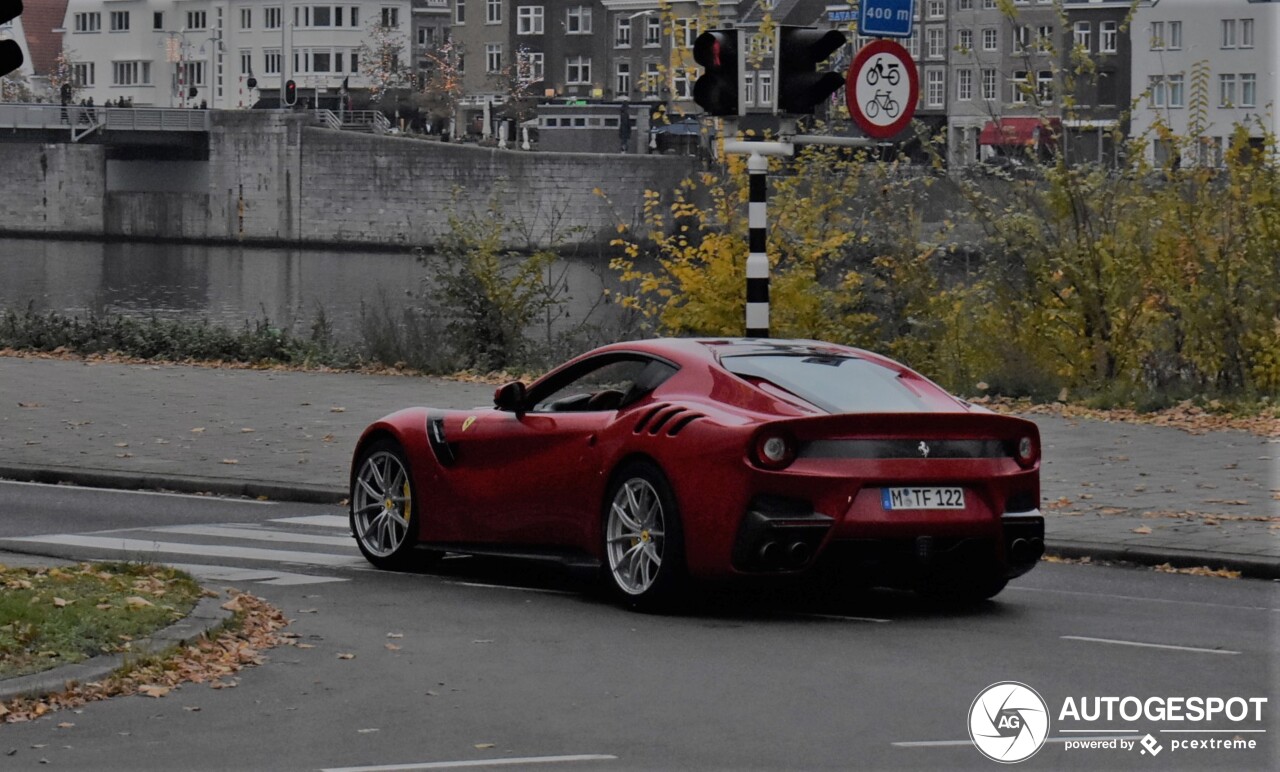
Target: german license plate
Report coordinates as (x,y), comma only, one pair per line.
(922,498)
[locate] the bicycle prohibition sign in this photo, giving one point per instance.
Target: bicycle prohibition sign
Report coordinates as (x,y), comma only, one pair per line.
(881,89)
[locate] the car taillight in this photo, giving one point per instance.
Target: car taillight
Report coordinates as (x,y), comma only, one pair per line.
(774,451)
(1027,451)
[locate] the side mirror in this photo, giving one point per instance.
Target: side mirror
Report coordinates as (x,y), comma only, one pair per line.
(510,396)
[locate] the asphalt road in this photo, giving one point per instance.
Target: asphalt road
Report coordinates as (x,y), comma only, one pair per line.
(511,662)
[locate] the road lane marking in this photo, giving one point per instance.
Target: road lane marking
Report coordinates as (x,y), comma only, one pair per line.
(1144,600)
(210,497)
(257,576)
(476,763)
(512,587)
(325,521)
(1146,645)
(148,546)
(959,743)
(257,534)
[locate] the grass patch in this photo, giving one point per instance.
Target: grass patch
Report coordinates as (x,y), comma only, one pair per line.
(58,616)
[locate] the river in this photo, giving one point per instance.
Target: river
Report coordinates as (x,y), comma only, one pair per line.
(230,285)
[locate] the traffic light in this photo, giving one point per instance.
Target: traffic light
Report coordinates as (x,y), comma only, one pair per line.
(10,51)
(192,92)
(65,93)
(799,52)
(252,82)
(719,90)
(290,93)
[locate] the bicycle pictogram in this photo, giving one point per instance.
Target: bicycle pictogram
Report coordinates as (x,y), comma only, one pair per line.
(879,70)
(882,100)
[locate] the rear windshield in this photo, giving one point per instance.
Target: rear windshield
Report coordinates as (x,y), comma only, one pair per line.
(837,384)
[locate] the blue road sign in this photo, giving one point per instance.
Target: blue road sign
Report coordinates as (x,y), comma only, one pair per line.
(886,18)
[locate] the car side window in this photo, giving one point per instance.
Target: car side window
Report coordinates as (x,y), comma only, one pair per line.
(606,386)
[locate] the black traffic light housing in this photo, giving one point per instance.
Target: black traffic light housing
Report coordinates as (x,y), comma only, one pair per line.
(800,50)
(192,92)
(290,93)
(10,52)
(718,90)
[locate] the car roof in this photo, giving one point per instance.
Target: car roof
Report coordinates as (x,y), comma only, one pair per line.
(714,349)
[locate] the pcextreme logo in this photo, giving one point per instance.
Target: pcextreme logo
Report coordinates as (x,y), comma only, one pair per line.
(1008,722)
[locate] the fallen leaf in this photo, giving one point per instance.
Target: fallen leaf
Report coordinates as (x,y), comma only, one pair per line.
(327,438)
(337,410)
(246,430)
(367,731)
(484,746)
(65,725)
(60,602)
(346,656)
(122,444)
(1232,502)
(1142,529)
(306,611)
(29,404)
(197,430)
(395,635)
(305,646)
(136,602)
(191,708)
(392,647)
(152,690)
(229,461)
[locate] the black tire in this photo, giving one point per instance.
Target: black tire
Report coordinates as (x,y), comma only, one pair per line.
(386,536)
(644,566)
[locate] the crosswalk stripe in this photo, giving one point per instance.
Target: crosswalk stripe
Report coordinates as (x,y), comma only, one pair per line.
(325,521)
(147,546)
(257,534)
(232,574)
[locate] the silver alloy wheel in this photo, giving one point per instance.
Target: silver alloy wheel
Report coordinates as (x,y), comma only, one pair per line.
(381,504)
(634,536)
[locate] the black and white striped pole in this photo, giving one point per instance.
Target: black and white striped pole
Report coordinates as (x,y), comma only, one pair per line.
(757,249)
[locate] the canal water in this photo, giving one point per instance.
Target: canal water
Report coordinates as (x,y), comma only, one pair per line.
(230,285)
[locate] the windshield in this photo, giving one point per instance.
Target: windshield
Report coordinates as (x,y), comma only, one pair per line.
(837,384)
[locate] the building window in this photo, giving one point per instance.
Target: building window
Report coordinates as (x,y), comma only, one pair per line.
(460,12)
(119,21)
(1249,89)
(1157,36)
(246,18)
(577,70)
(936,9)
(964,5)
(622,33)
(82,74)
(990,85)
(529,20)
(1084,35)
(578,20)
(493,12)
(246,62)
(1018,87)
(533,67)
(682,83)
(990,39)
(1227,90)
(765,92)
(749,89)
(652,79)
(1175,35)
(1044,38)
(157,20)
(492,58)
(652,31)
(684,32)
(1228,33)
(390,17)
(1107,37)
(988,5)
(1021,38)
(936,91)
(1246,33)
(622,79)
(197,20)
(1044,87)
(131,73)
(1155,87)
(964,40)
(271,61)
(271,17)
(936,40)
(1173,90)
(88,22)
(964,85)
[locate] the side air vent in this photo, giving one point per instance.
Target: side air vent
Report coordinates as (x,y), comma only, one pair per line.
(664,415)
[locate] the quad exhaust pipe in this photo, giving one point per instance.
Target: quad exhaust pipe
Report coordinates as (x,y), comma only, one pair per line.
(774,555)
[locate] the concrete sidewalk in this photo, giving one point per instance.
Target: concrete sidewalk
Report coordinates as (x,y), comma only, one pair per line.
(1110,490)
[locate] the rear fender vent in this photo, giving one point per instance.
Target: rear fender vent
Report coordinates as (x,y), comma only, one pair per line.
(672,417)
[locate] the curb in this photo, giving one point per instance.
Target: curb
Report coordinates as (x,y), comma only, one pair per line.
(207,614)
(98,478)
(1251,567)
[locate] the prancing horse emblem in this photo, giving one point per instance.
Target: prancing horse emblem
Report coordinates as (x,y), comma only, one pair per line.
(923,448)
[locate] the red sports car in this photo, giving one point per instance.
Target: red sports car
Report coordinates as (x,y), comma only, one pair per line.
(662,461)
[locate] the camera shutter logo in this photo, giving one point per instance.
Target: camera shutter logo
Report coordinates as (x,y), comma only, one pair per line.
(1008,722)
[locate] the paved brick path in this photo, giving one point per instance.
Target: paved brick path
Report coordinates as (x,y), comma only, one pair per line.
(1209,499)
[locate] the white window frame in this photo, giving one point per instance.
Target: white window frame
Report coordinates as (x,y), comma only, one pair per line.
(197,20)
(1108,37)
(530,19)
(964,84)
(272,15)
(579,65)
(764,89)
(1044,87)
(1156,91)
(964,40)
(990,39)
(135,72)
(1018,87)
(652,32)
(936,9)
(1157,36)
(1246,33)
(1248,89)
(1229,39)
(1175,36)
(990,84)
(246,17)
(493,58)
(83,74)
(492,12)
(270,61)
(577,20)
(1083,35)
(622,32)
(246,61)
(87,22)
(1175,90)
(935,86)
(1227,90)
(935,42)
(119,21)
(460,12)
(622,77)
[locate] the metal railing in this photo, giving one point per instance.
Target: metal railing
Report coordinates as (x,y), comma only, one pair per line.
(82,120)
